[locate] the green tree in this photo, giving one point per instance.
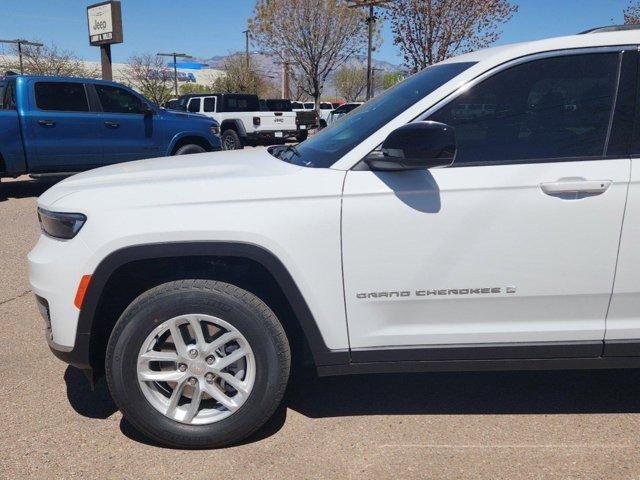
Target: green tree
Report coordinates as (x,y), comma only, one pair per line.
(350,81)
(241,76)
(391,78)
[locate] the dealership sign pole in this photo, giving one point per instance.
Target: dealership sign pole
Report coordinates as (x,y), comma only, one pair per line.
(105,28)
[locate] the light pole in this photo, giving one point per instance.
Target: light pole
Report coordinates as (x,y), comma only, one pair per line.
(373,79)
(371,19)
(175,66)
(20,42)
(246,46)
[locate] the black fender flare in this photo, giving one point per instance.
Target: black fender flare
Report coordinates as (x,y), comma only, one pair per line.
(322,355)
(234,124)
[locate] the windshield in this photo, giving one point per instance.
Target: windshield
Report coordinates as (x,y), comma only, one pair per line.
(332,143)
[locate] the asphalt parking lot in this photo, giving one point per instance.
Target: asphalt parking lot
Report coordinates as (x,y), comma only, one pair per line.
(561,425)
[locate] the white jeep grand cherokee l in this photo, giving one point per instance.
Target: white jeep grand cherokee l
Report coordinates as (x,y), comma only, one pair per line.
(415,234)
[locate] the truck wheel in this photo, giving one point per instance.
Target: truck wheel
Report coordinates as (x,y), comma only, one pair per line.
(197,363)
(323,124)
(302,136)
(191,148)
(231,140)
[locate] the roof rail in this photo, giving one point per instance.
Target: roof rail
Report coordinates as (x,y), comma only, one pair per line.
(611,28)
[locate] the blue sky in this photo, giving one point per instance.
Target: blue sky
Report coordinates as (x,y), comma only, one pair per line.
(206,28)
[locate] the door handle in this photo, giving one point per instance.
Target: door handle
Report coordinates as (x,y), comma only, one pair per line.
(47,123)
(111,124)
(563,188)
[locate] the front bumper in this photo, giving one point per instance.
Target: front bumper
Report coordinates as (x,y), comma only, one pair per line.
(55,268)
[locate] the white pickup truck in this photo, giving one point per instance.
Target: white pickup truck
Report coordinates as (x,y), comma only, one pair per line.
(240,118)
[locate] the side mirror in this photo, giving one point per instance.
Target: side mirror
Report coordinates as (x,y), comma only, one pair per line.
(416,146)
(147,110)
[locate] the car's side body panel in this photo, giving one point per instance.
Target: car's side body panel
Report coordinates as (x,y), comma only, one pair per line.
(290,211)
(623,319)
(479,254)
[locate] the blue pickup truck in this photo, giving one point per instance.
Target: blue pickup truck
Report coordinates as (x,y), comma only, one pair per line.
(62,125)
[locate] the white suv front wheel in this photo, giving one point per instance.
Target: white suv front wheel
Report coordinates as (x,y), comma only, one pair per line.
(197,363)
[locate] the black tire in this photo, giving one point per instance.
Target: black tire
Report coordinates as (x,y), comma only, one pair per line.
(302,136)
(190,148)
(245,312)
(231,140)
(323,124)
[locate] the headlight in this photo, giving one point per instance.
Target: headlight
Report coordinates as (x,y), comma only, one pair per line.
(215,129)
(59,224)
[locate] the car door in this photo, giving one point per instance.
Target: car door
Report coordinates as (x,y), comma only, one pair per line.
(63,134)
(129,131)
(510,252)
(194,105)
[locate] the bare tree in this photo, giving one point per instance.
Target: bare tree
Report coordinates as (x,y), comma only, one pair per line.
(350,81)
(429,31)
(148,74)
(315,35)
(632,13)
(241,76)
(48,60)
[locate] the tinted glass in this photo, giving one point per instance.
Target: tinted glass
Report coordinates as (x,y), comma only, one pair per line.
(118,100)
(194,105)
(330,144)
(309,105)
(61,96)
(239,103)
(7,96)
(277,105)
(545,109)
(296,105)
(209,104)
(326,106)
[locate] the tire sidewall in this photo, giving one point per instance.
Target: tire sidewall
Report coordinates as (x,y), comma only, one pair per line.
(234,136)
(189,149)
(138,322)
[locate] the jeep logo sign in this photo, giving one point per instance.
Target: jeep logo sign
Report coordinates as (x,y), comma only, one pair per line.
(105,23)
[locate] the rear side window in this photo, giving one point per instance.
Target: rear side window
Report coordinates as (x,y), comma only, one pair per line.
(61,96)
(194,105)
(118,100)
(546,109)
(210,104)
(7,96)
(233,103)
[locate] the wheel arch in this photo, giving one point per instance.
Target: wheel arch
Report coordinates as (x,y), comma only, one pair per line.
(235,125)
(95,324)
(188,138)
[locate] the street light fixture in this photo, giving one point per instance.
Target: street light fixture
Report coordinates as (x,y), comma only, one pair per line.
(175,66)
(20,42)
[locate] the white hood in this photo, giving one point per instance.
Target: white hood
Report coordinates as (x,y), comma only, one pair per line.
(177,178)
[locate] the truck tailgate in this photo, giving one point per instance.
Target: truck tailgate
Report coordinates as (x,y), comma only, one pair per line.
(276,121)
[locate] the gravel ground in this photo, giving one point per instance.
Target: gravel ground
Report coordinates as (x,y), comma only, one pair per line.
(559,425)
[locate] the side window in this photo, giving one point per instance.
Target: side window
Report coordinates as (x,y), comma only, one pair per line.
(545,109)
(7,97)
(61,96)
(194,105)
(117,100)
(210,104)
